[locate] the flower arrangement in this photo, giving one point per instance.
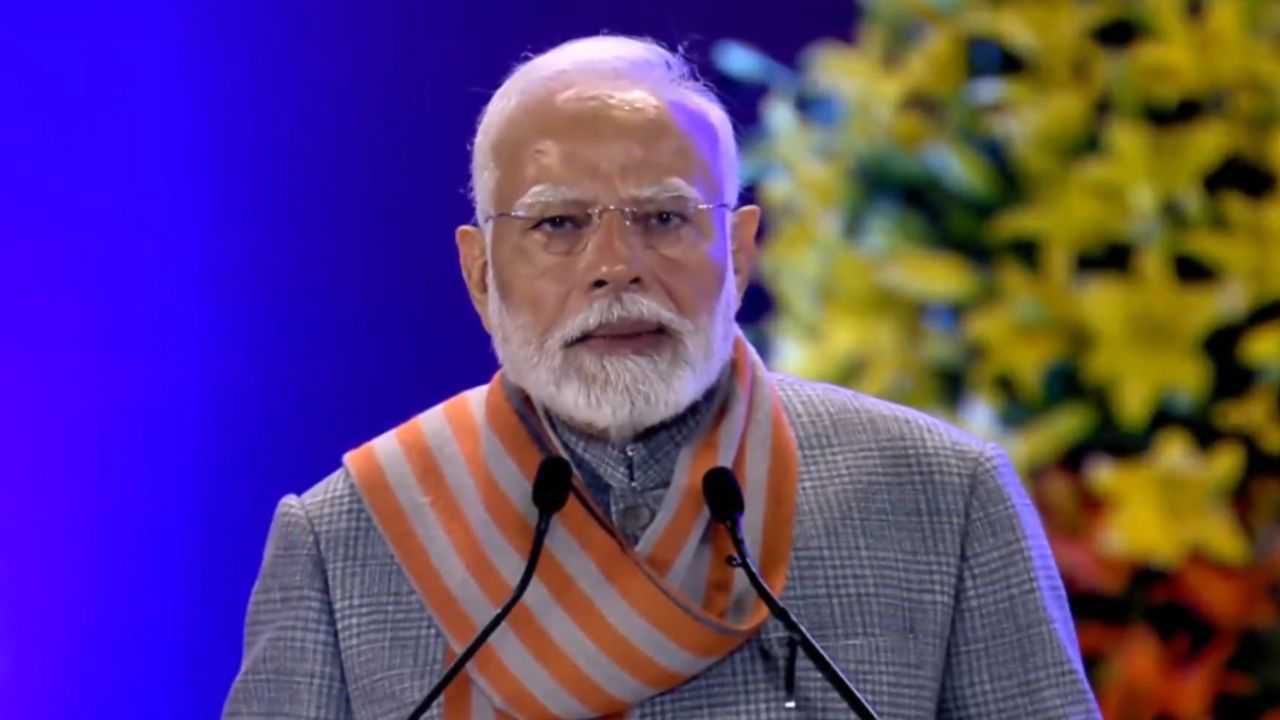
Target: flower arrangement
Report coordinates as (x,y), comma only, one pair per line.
(1056,223)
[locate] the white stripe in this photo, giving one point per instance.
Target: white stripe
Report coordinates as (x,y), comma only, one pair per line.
(670,503)
(759,447)
(735,420)
(698,564)
(692,562)
(679,481)
(698,543)
(435,542)
(589,578)
(481,705)
(510,562)
(429,534)
(759,439)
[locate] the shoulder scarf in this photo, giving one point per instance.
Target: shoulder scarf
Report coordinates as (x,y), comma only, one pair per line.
(603,626)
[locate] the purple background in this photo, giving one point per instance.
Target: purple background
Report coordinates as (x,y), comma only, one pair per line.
(226,240)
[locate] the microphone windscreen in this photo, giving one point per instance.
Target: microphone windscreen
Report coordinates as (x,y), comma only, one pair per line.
(551,485)
(723,495)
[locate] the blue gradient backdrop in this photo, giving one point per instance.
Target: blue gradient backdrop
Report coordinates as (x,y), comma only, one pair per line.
(226,244)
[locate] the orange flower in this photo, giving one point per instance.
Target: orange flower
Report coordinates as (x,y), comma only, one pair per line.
(1140,678)
(1232,599)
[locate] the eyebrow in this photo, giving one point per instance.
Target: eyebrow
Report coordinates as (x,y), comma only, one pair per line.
(547,193)
(671,187)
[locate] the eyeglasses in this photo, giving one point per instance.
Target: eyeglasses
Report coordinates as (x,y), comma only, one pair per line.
(565,228)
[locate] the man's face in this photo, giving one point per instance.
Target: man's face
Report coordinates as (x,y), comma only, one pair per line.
(649,303)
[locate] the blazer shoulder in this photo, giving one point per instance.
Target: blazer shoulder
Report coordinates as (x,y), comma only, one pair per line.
(822,415)
(342,524)
(333,499)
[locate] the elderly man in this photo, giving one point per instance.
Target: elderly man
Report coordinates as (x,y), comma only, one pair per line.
(608,260)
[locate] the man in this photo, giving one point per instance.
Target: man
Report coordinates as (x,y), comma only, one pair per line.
(607,262)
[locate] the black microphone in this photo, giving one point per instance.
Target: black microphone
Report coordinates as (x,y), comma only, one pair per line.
(724,501)
(551,486)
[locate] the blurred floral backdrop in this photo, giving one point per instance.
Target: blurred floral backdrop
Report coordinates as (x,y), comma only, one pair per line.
(1056,223)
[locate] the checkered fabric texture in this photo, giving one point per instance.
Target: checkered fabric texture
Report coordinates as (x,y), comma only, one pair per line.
(629,480)
(918,563)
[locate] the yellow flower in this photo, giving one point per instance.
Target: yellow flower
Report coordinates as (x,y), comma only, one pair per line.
(855,75)
(1256,414)
(1243,62)
(1172,501)
(1163,71)
(1145,331)
(1170,63)
(1120,195)
(862,335)
(1046,438)
(870,349)
(929,275)
(1246,248)
(1095,201)
(1259,348)
(1020,332)
(1051,37)
(1041,126)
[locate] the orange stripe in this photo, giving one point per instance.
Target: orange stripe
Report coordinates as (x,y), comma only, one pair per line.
(720,574)
(457,697)
(522,621)
(618,566)
(676,534)
(400,534)
(576,603)
(445,608)
(743,370)
(715,599)
(719,587)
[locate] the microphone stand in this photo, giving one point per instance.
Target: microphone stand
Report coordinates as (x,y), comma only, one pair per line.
(550,492)
(724,501)
(825,665)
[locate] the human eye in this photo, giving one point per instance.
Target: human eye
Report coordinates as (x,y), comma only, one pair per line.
(559,223)
(662,220)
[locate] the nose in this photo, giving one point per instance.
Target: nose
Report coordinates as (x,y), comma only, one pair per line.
(615,260)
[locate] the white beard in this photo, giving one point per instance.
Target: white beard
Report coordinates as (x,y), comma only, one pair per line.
(616,396)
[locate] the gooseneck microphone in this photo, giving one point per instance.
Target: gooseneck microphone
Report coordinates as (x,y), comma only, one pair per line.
(551,486)
(724,501)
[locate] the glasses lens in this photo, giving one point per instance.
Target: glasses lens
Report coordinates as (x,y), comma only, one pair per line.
(672,221)
(559,228)
(665,223)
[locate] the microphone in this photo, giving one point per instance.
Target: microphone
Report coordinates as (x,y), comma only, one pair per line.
(724,501)
(551,486)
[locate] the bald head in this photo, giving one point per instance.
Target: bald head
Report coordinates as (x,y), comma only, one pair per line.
(607,74)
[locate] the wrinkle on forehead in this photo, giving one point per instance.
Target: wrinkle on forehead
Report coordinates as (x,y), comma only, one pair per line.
(607,140)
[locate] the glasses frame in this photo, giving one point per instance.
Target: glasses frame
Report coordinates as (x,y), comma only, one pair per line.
(630,215)
(628,212)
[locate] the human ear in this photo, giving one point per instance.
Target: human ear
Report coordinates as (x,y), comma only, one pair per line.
(473,259)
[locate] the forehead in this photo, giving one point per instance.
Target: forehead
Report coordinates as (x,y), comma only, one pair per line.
(606,141)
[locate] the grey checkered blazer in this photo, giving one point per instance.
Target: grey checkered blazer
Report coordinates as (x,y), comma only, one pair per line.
(918,563)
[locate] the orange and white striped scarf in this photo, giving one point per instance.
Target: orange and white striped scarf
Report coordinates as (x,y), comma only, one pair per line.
(603,626)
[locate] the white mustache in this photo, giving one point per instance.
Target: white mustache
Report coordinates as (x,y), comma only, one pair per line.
(620,308)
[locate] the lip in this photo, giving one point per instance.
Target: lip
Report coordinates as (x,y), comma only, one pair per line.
(623,336)
(624,327)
